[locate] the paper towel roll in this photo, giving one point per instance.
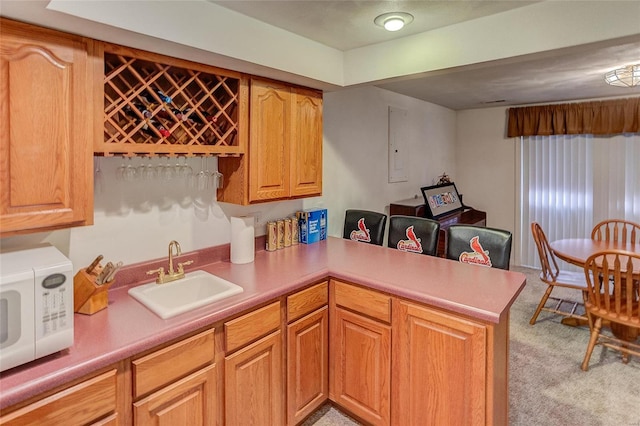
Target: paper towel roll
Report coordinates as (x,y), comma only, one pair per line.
(242,239)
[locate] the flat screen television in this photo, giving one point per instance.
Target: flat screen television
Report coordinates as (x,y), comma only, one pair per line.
(441,200)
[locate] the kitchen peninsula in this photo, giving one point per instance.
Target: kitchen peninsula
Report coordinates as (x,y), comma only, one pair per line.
(391,302)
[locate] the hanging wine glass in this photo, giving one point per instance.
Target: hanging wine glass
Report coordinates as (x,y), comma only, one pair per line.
(129,171)
(185,171)
(203,176)
(120,171)
(149,170)
(168,171)
(141,169)
(98,179)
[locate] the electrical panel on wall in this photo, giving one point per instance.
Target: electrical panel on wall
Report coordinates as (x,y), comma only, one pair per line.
(398,145)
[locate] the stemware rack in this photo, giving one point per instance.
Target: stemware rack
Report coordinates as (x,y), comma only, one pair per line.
(157,105)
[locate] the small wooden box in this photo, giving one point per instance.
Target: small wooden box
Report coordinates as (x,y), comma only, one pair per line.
(89,297)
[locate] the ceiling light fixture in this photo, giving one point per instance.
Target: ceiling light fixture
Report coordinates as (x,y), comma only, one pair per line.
(627,76)
(393,21)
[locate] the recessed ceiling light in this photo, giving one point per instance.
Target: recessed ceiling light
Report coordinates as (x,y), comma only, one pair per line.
(393,21)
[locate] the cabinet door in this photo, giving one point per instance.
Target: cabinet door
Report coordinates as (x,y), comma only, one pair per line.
(92,401)
(190,401)
(269,141)
(306,146)
(47,113)
(307,365)
(253,383)
(361,366)
(439,368)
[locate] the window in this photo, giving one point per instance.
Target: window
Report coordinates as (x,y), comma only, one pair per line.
(571,182)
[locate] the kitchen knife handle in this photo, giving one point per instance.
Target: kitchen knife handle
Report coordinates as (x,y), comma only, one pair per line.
(95,263)
(104,273)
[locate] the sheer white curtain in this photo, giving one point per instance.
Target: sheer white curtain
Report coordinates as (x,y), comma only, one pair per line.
(571,182)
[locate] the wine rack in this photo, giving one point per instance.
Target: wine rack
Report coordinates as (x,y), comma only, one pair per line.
(157,105)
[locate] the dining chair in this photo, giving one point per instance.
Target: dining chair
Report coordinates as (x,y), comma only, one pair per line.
(617,230)
(553,277)
(413,234)
(479,245)
(364,226)
(612,295)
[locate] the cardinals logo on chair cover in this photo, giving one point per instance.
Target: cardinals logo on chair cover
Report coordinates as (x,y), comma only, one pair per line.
(362,233)
(479,256)
(412,243)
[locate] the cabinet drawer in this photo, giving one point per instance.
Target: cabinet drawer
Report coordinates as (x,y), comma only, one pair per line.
(249,327)
(367,302)
(83,403)
(171,363)
(306,301)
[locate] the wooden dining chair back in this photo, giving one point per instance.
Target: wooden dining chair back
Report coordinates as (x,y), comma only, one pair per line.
(616,230)
(364,226)
(553,276)
(413,234)
(612,296)
(479,245)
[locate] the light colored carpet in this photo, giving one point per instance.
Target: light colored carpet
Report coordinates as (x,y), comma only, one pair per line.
(546,384)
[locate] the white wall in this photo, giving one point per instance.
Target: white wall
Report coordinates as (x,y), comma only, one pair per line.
(355,147)
(134,221)
(486,165)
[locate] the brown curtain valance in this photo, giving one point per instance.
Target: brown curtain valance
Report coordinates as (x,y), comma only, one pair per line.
(596,118)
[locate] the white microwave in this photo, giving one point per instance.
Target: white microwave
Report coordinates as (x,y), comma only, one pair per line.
(36,304)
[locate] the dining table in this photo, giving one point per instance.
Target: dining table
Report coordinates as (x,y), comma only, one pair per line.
(577,250)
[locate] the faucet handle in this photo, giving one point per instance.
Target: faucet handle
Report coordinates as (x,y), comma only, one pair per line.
(160,272)
(182,265)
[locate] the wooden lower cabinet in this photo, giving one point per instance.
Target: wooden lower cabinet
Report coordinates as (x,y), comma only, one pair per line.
(177,384)
(385,360)
(361,366)
(253,383)
(92,401)
(307,364)
(189,401)
(439,373)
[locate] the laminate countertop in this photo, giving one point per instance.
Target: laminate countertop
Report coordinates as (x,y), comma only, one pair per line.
(127,327)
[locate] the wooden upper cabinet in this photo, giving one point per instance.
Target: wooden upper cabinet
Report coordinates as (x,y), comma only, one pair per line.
(269,140)
(284,159)
(47,110)
(306,149)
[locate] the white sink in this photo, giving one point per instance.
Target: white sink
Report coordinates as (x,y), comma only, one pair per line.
(196,289)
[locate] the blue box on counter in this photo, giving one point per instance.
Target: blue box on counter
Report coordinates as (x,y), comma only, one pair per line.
(313,225)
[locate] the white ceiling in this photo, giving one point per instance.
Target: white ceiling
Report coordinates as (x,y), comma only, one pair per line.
(560,75)
(328,44)
(346,24)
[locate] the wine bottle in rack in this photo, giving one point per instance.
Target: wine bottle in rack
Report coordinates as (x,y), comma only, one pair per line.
(164,98)
(163,130)
(143,111)
(192,116)
(150,99)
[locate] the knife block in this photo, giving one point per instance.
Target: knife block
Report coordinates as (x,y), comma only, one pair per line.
(89,297)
